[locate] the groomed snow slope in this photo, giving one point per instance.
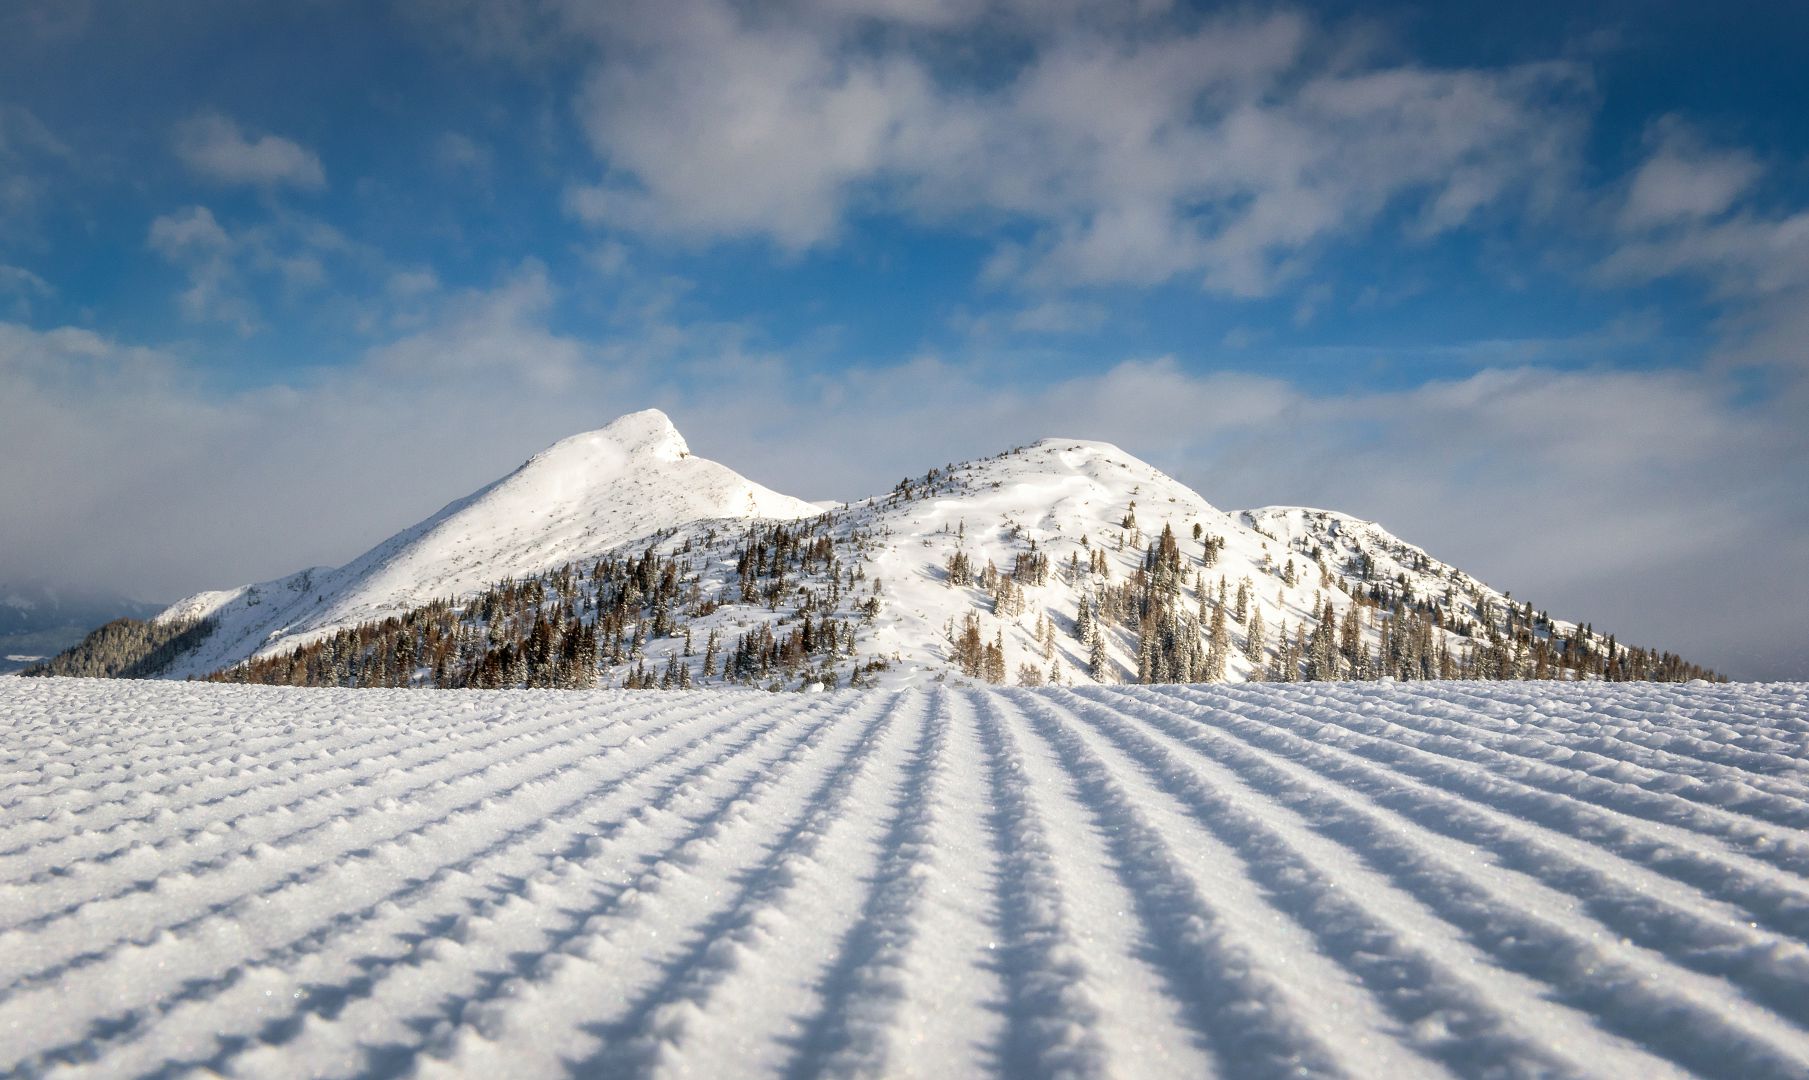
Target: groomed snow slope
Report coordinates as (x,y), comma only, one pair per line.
(574,500)
(1330,879)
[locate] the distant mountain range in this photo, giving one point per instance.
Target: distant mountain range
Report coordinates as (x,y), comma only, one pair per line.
(38,619)
(616,557)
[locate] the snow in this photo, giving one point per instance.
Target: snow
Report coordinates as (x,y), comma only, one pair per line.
(1362,879)
(581,496)
(634,484)
(1070,497)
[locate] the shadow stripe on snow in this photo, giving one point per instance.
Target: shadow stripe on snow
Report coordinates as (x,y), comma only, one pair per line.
(485,919)
(861,992)
(1580,974)
(1665,742)
(1243,1015)
(1528,829)
(1052,1019)
(1750,827)
(199,989)
(634,1041)
(1440,1013)
(332,800)
(267,879)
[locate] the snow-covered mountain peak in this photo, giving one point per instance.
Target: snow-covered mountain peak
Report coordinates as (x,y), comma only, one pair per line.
(582,496)
(648,435)
(1064,560)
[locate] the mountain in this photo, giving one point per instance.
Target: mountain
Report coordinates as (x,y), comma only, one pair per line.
(617,558)
(38,619)
(578,498)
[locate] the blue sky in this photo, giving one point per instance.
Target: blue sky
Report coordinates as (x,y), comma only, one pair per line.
(1528,284)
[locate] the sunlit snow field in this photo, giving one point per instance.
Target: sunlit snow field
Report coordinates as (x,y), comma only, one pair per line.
(1358,879)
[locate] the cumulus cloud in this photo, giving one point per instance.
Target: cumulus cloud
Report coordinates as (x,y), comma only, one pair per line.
(1223,148)
(1692,211)
(226,264)
(1684,179)
(194,240)
(214,148)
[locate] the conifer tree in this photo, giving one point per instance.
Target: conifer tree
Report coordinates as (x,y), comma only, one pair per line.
(1254,645)
(1218,643)
(711,645)
(1099,664)
(994,664)
(1283,668)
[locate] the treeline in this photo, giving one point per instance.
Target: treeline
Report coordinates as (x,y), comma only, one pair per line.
(564,629)
(1386,632)
(628,620)
(126,649)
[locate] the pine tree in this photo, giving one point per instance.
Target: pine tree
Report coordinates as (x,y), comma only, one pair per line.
(1350,633)
(711,645)
(1099,664)
(1254,645)
(969,647)
(1283,668)
(993,668)
(1322,651)
(1218,642)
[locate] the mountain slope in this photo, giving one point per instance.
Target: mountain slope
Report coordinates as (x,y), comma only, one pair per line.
(616,558)
(1070,501)
(39,619)
(1365,556)
(578,498)
(1065,561)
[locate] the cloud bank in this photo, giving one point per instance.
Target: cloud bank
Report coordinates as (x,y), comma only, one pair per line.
(1221,149)
(1625,498)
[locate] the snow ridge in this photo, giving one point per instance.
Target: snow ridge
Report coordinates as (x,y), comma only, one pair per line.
(1456,879)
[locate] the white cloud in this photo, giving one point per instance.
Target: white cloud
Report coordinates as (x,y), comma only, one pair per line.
(409,284)
(462,153)
(19,279)
(214,147)
(213,262)
(28,155)
(190,231)
(1692,212)
(729,129)
(230,268)
(1059,317)
(498,333)
(1685,179)
(1225,148)
(23,287)
(194,240)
